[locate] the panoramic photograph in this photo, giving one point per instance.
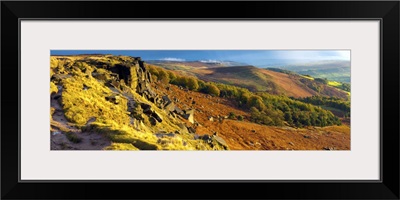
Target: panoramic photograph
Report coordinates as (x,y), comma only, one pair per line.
(200,100)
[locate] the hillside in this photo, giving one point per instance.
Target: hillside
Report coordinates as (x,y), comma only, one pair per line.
(188,65)
(114,103)
(332,70)
(274,81)
(258,79)
(212,115)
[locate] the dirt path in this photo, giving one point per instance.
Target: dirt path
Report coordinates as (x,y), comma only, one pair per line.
(64,136)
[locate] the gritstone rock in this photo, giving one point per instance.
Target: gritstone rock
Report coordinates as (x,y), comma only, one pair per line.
(189,115)
(220,141)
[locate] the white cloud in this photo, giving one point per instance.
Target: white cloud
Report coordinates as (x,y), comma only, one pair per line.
(209,61)
(173,59)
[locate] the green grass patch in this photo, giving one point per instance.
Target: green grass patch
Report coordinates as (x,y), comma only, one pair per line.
(334,83)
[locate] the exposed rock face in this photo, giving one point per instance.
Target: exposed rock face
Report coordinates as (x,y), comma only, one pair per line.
(135,75)
(136,103)
(123,72)
(138,78)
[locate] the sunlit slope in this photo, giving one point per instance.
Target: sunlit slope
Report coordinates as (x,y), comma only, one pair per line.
(257,79)
(110,96)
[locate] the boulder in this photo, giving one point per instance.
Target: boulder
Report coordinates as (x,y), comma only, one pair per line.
(211,119)
(206,138)
(329,148)
(189,112)
(146,108)
(100,77)
(57,78)
(191,129)
(156,116)
(171,114)
(153,121)
(178,111)
(220,141)
(189,115)
(170,107)
(166,100)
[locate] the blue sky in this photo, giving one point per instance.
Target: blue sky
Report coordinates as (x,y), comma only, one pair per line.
(253,57)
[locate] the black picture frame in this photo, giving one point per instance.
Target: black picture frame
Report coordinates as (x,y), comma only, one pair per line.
(386,11)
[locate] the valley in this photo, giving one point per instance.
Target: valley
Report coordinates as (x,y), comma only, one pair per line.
(257,79)
(108,102)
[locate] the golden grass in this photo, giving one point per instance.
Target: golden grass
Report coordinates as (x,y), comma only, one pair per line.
(340,129)
(84,98)
(80,105)
(53,88)
(121,146)
(147,140)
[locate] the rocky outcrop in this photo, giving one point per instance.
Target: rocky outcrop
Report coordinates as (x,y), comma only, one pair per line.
(136,76)
(125,102)
(213,140)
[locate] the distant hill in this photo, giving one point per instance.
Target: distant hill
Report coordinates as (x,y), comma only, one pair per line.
(331,70)
(106,102)
(187,65)
(264,80)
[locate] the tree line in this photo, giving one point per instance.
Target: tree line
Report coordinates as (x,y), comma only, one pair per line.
(332,102)
(265,108)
